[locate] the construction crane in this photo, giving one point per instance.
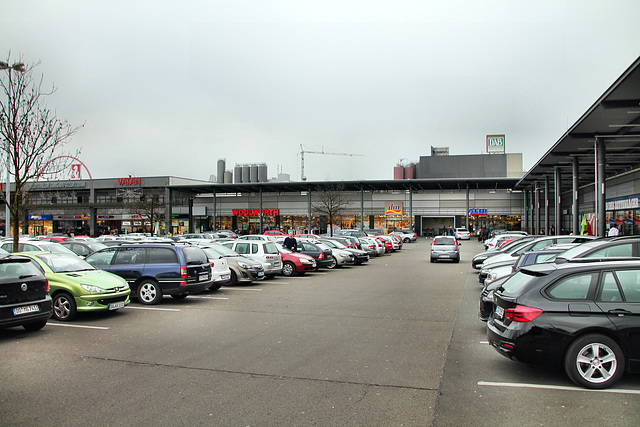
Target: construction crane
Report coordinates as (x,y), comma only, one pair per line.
(303,150)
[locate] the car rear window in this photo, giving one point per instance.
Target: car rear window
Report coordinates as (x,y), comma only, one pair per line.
(271,249)
(194,256)
(16,270)
(514,284)
(445,241)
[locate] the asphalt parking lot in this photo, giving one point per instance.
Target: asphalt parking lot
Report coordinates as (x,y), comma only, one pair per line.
(394,342)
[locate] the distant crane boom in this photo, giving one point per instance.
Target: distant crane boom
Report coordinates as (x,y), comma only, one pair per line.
(303,150)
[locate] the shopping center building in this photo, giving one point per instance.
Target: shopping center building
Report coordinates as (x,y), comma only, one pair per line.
(591,175)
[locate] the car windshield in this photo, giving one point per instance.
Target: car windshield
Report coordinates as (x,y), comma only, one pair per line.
(212,253)
(63,263)
(271,248)
(445,241)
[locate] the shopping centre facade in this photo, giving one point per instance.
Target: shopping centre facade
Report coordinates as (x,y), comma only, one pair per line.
(591,175)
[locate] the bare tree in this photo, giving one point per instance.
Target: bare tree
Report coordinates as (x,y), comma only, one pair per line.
(331,202)
(150,208)
(32,135)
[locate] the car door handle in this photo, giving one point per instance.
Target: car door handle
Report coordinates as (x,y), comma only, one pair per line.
(619,311)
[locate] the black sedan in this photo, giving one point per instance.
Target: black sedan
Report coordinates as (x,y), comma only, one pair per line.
(584,317)
(321,255)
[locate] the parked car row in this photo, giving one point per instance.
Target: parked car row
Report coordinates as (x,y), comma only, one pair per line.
(568,302)
(44,279)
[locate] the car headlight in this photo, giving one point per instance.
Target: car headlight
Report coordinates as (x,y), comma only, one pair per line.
(92,288)
(306,261)
(243,265)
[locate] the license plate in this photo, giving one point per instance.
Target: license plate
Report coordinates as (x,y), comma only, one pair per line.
(444,256)
(26,309)
(116,305)
(203,277)
(225,276)
(313,265)
(499,312)
(260,273)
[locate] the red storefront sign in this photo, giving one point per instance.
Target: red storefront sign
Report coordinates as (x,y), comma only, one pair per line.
(255,212)
(130,181)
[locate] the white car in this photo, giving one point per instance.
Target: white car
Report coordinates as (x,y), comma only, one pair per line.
(462,234)
(36,245)
(264,252)
(220,271)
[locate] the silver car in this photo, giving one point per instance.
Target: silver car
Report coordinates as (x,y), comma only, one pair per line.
(445,248)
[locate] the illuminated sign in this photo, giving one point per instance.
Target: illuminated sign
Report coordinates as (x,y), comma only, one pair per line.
(393,208)
(41,217)
(254,212)
(477,211)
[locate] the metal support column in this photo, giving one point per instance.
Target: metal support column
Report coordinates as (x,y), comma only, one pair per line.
(168,228)
(361,208)
(191,221)
(531,224)
(260,230)
(525,211)
(575,211)
(546,205)
(93,213)
(410,207)
(601,190)
(215,212)
(467,225)
(309,212)
(536,210)
(557,199)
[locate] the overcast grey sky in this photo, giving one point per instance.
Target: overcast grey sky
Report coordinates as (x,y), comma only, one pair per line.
(169,87)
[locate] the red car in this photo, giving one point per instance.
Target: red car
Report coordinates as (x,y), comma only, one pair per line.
(388,246)
(274,233)
(295,263)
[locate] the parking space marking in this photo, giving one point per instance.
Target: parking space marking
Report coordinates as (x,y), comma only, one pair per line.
(199,297)
(555,387)
(240,289)
(152,308)
(102,328)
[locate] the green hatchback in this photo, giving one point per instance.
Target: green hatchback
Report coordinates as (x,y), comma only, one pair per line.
(75,285)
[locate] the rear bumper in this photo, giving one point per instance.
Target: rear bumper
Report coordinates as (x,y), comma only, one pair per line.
(9,319)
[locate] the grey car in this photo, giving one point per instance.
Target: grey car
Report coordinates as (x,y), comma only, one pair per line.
(445,248)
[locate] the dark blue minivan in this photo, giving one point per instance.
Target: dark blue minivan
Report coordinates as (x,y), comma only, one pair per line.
(155,270)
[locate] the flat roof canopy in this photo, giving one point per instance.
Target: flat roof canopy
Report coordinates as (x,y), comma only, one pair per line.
(384,185)
(614,118)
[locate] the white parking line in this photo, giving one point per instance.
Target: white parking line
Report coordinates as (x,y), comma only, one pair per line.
(198,297)
(78,326)
(555,387)
(484,342)
(240,289)
(152,308)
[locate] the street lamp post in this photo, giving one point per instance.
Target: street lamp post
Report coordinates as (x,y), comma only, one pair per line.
(18,66)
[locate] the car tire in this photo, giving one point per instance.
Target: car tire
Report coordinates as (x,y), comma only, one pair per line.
(457,260)
(64,307)
(35,326)
(179,297)
(149,292)
(595,371)
(334,262)
(432,260)
(215,286)
(234,278)
(288,269)
(269,276)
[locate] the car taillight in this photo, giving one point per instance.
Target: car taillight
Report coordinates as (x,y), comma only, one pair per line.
(183,275)
(521,313)
(321,256)
(210,262)
(46,285)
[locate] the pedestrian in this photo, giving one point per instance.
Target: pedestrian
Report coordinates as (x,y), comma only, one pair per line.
(553,230)
(613,231)
(290,242)
(451,233)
